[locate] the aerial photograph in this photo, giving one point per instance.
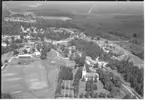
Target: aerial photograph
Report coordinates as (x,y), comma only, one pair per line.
(72,49)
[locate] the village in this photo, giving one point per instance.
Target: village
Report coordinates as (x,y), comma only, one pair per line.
(33,49)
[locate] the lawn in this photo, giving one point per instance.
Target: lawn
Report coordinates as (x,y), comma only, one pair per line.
(35,80)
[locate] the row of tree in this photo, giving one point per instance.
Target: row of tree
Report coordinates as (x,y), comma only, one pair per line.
(131,74)
(76,81)
(110,82)
(65,73)
(7,96)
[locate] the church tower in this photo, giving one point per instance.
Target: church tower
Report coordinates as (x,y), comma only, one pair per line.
(84,72)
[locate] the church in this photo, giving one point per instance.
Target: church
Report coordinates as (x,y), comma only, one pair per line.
(89,75)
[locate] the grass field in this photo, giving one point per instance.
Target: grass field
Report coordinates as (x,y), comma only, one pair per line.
(36,80)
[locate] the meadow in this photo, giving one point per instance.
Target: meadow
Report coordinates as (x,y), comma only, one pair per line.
(35,80)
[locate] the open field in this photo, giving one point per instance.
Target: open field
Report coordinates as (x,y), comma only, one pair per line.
(36,80)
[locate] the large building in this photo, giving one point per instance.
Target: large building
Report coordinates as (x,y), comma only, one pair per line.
(25,59)
(89,75)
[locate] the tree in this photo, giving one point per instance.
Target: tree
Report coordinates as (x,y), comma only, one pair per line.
(94,86)
(62,47)
(81,61)
(134,35)
(108,86)
(18,41)
(127,96)
(76,82)
(92,94)
(13,46)
(25,51)
(109,96)
(66,52)
(96,95)
(87,94)
(78,74)
(98,38)
(115,91)
(57,95)
(95,80)
(88,86)
(102,95)
(43,56)
(81,95)
(15,52)
(66,73)
(62,86)
(6,41)
(22,36)
(6,96)
(12,38)
(47,49)
(134,97)
(76,91)
(116,81)
(106,41)
(6,61)
(58,89)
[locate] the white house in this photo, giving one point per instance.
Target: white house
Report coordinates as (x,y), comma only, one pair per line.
(25,56)
(37,54)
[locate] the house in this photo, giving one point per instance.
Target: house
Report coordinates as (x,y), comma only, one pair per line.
(16,37)
(25,56)
(101,63)
(4,44)
(37,54)
(28,49)
(89,75)
(27,37)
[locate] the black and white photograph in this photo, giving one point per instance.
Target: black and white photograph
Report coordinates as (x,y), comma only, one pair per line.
(72,50)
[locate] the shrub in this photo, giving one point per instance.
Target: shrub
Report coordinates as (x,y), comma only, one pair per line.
(7,96)
(6,61)
(81,95)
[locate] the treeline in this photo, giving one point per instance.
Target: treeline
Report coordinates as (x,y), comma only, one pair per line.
(7,96)
(83,45)
(65,73)
(11,47)
(76,81)
(131,74)
(51,12)
(11,28)
(110,82)
(140,54)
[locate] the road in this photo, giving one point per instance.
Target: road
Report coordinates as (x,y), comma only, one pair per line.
(128,88)
(132,91)
(3,67)
(91,8)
